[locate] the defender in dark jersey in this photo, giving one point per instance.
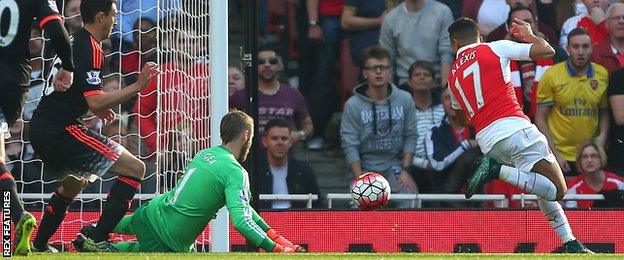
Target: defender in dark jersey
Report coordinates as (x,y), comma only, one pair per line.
(75,153)
(16,18)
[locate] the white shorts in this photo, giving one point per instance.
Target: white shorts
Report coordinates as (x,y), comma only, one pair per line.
(523,149)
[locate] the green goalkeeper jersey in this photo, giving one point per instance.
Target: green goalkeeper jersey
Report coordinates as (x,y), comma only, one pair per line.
(213,179)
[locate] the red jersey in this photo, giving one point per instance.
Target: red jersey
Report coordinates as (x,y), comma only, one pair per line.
(579,186)
(480,84)
(331,7)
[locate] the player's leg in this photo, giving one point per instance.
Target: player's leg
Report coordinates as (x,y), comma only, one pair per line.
(131,171)
(536,170)
(553,211)
(124,226)
(77,150)
(55,210)
(522,149)
(133,247)
(146,241)
(552,171)
(10,108)
(8,183)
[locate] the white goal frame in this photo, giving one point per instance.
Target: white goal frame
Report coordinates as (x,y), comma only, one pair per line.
(218,53)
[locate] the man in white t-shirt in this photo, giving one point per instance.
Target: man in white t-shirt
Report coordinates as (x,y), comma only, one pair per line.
(279,173)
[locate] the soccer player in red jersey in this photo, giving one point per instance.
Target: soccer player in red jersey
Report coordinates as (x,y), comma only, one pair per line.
(480,83)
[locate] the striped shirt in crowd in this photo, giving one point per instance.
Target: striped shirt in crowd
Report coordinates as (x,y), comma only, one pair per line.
(425,120)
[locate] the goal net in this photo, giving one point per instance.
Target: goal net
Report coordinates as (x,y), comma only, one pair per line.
(164,126)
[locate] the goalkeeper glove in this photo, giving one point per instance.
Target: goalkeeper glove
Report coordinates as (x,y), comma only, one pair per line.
(288,249)
(280,240)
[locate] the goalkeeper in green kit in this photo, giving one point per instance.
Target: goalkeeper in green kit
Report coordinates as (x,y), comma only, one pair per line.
(214,178)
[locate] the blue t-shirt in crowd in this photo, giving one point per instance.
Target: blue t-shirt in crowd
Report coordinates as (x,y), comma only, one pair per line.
(360,40)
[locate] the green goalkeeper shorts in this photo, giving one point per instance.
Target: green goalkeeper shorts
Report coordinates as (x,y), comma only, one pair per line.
(148,240)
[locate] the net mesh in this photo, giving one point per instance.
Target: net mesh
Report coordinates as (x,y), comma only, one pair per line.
(164,126)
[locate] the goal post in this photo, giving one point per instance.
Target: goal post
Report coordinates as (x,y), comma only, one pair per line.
(219,227)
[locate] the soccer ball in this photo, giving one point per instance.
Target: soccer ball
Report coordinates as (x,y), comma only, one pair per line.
(370,191)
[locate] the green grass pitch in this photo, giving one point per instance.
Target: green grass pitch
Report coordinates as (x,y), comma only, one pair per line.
(268,256)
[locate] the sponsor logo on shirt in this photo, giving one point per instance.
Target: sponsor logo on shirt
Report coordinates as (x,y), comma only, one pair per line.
(93,77)
(593,84)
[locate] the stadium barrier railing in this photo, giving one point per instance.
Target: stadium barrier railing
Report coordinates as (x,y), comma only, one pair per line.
(417,199)
(524,197)
(291,197)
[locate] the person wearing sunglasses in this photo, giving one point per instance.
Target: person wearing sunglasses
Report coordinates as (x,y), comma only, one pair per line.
(276,99)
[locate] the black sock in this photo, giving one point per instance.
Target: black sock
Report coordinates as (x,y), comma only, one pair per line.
(8,183)
(54,214)
(117,203)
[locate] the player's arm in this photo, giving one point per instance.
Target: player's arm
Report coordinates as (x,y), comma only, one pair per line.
(462,119)
(101,102)
(59,40)
(237,202)
(242,214)
(51,22)
(540,48)
(272,234)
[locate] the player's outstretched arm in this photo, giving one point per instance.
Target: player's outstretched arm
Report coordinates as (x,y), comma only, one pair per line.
(273,235)
(101,103)
(244,218)
(540,48)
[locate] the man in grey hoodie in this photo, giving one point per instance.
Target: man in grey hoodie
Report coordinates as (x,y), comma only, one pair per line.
(378,128)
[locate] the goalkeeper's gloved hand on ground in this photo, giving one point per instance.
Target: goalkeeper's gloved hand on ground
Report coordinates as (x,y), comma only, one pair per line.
(288,249)
(280,240)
